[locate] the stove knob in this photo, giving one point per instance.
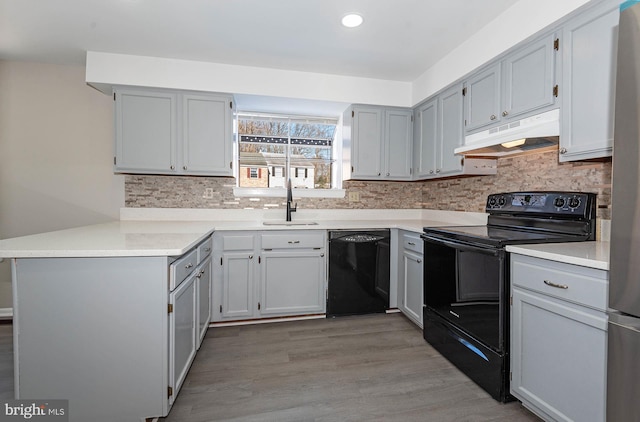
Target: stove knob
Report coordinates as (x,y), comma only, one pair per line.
(502,201)
(574,202)
(559,202)
(492,201)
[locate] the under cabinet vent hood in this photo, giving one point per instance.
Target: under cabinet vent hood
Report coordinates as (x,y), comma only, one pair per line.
(534,132)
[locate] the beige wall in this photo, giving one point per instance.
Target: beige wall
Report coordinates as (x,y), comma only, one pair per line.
(56,154)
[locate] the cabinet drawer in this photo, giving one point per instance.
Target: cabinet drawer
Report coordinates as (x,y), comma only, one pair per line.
(181,268)
(204,249)
(412,243)
(293,239)
(584,286)
(237,242)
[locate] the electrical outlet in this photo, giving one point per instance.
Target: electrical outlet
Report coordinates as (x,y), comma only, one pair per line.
(208,193)
(354,196)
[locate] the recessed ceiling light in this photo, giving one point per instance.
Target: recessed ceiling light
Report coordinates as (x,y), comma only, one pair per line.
(352,20)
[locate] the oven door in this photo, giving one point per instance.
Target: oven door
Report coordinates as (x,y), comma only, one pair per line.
(465,284)
(464,313)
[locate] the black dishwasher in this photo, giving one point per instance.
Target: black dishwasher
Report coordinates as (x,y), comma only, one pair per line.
(358,272)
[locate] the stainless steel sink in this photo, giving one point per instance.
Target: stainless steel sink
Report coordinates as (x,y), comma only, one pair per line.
(289,223)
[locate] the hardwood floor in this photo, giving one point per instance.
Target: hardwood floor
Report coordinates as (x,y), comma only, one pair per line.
(365,368)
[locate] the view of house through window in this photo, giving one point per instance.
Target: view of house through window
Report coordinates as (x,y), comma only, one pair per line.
(273,149)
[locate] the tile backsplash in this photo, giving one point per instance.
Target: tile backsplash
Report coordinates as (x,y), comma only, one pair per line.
(540,171)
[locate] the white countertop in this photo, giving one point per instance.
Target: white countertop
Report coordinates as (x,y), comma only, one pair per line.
(162,238)
(585,254)
(118,238)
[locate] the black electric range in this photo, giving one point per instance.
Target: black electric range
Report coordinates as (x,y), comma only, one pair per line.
(466,276)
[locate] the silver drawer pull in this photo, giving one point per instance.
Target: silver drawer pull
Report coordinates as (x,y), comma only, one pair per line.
(207,249)
(559,286)
(294,241)
(189,265)
(419,261)
(412,244)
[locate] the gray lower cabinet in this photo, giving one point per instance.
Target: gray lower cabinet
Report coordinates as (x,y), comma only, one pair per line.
(379,140)
(410,280)
(589,55)
(173,132)
(558,339)
(269,274)
(115,335)
(292,273)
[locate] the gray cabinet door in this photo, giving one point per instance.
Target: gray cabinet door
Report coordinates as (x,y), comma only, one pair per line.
(412,299)
(558,357)
(482,98)
(145,131)
(589,54)
(528,77)
(367,148)
(207,135)
(204,298)
(398,135)
(451,132)
(427,137)
(182,333)
(292,282)
(237,295)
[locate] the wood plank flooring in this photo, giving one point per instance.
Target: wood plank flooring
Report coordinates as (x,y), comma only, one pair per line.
(365,368)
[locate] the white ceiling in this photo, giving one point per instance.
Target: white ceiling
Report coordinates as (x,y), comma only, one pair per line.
(399,40)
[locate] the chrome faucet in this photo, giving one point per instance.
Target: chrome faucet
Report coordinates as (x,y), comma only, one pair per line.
(290,209)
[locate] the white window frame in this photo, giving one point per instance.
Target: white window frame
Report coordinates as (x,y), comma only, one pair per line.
(337,173)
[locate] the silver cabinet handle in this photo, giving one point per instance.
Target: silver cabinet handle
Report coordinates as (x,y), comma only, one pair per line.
(411,243)
(559,286)
(419,261)
(387,174)
(378,174)
(493,117)
(437,170)
(430,171)
(505,113)
(250,256)
(207,249)
(189,265)
(321,255)
(184,167)
(172,167)
(563,150)
(294,241)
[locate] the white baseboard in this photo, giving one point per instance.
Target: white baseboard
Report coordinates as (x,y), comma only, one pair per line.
(6,313)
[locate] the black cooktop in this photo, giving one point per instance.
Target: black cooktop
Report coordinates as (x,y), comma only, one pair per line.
(498,236)
(528,217)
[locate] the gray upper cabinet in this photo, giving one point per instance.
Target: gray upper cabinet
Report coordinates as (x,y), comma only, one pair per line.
(438,133)
(207,134)
(451,136)
(426,133)
(529,76)
(397,139)
(522,83)
(381,142)
(589,53)
(145,131)
(366,146)
(482,98)
(173,132)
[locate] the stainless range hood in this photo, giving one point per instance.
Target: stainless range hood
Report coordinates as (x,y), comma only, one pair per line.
(531,133)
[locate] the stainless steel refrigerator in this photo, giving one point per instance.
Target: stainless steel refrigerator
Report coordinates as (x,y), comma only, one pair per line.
(623,355)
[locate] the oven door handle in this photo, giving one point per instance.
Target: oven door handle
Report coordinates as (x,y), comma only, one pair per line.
(462,245)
